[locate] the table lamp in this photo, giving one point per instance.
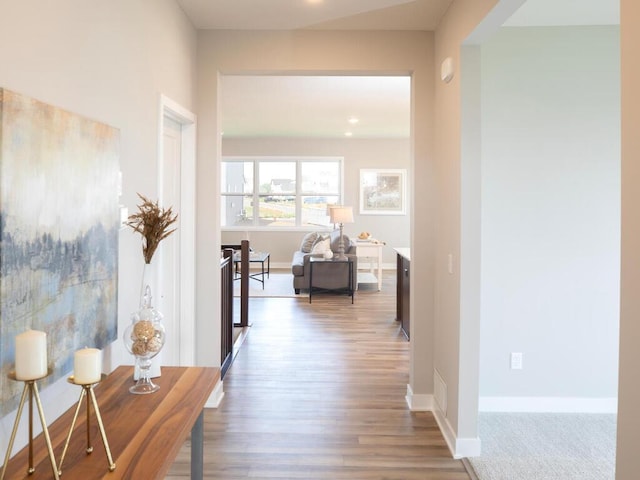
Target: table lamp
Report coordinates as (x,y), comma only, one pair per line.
(341,215)
(329,207)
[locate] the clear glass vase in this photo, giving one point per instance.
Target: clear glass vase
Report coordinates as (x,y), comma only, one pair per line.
(144,339)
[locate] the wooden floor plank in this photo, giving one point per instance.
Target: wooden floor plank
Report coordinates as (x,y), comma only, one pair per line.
(317,391)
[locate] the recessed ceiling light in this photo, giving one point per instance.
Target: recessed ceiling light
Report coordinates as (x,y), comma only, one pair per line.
(314,2)
(353,120)
(348,134)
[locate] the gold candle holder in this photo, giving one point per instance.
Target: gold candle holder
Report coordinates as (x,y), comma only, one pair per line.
(87,391)
(30,389)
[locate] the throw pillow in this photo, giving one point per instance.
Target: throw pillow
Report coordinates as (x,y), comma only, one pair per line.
(322,245)
(308,241)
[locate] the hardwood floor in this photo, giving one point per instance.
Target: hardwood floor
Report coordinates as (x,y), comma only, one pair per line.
(317,392)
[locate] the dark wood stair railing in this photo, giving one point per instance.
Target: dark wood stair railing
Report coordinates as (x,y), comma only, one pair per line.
(226,299)
(226,313)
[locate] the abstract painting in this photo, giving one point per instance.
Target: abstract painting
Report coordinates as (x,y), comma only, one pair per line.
(383,192)
(59,223)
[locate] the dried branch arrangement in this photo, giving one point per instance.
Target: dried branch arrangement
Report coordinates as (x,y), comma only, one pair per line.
(152,222)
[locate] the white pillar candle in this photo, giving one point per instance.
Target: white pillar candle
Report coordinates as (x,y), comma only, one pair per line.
(87,366)
(31,355)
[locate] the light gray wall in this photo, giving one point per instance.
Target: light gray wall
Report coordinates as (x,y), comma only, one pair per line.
(108,61)
(357,154)
(550,212)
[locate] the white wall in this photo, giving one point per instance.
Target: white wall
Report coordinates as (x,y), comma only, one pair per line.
(108,61)
(357,154)
(550,214)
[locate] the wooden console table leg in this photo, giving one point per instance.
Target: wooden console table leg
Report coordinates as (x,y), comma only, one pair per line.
(197,448)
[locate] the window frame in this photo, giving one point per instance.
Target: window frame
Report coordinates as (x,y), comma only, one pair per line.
(256,160)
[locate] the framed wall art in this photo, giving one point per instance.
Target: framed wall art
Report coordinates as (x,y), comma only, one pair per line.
(383,191)
(59,228)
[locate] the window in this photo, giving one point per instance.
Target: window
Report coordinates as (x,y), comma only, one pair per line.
(279,192)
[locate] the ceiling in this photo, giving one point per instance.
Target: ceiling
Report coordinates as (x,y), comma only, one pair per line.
(258,106)
(315,14)
(379,14)
(566,12)
(315,106)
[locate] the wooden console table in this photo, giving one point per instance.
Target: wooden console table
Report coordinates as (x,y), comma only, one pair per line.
(145,432)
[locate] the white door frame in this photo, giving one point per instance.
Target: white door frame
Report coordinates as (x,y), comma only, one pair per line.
(187,319)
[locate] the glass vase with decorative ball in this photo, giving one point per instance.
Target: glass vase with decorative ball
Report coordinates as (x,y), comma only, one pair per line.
(144,339)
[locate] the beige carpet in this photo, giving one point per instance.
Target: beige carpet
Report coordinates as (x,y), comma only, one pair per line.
(546,446)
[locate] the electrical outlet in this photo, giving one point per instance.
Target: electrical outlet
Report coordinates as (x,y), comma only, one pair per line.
(516,360)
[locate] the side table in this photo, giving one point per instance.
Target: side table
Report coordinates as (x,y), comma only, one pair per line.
(321,262)
(254,257)
(371,251)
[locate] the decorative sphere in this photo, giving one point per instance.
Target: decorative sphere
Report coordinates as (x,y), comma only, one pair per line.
(139,347)
(154,344)
(145,336)
(143,330)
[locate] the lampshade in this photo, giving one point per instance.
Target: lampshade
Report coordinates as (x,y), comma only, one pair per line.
(340,214)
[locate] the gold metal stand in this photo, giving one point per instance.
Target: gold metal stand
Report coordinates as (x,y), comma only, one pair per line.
(87,390)
(31,387)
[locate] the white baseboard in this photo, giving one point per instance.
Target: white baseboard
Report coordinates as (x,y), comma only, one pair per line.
(468,447)
(216,396)
(420,402)
(447,432)
(548,404)
(459,447)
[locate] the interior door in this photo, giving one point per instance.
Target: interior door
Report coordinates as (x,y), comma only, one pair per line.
(169,301)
